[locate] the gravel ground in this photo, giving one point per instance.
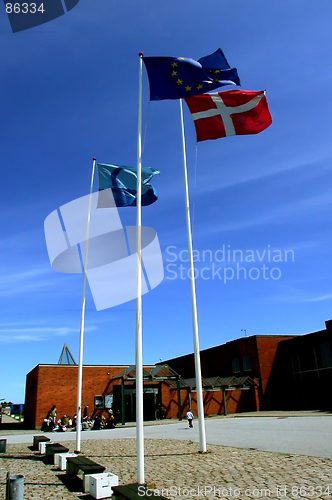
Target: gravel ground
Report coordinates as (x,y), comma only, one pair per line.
(177,468)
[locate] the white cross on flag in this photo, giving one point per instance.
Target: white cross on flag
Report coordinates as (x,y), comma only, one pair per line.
(233,112)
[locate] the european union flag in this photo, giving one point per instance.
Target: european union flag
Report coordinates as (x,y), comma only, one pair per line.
(176,78)
(123,183)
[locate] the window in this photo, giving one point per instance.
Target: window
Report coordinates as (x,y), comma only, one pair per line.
(325,352)
(236,365)
(99,402)
(247,364)
(109,401)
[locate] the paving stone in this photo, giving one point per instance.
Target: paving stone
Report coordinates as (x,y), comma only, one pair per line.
(180,471)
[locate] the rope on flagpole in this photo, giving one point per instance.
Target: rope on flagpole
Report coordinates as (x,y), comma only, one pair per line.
(195,197)
(80,361)
(146,127)
(139,359)
(200,406)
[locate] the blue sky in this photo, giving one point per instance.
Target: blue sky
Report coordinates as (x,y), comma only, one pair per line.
(69,92)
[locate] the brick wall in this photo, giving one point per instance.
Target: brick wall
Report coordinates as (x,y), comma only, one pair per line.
(217,361)
(31,395)
(300,378)
(266,352)
(57,385)
(236,400)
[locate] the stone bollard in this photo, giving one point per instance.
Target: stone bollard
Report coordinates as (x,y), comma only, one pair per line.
(16,487)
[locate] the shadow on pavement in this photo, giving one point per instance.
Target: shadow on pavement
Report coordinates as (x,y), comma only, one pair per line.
(73,483)
(13,426)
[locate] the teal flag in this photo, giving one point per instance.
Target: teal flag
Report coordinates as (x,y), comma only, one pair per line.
(123,183)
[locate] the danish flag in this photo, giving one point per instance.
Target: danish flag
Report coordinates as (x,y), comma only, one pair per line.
(233,112)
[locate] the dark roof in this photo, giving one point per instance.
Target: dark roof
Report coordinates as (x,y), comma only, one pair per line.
(217,383)
(157,372)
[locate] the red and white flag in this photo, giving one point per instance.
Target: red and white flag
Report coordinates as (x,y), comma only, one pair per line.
(233,112)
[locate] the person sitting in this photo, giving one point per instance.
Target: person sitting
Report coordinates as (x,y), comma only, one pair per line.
(110,424)
(97,424)
(45,425)
(57,426)
(65,421)
(73,428)
(51,424)
(52,413)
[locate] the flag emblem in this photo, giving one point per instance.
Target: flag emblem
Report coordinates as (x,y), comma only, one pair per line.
(233,112)
(176,78)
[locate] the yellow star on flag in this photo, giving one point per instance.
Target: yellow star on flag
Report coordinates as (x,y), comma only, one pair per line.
(174,64)
(174,73)
(188,88)
(199,87)
(179,82)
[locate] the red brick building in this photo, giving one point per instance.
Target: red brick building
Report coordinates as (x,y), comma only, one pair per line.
(301,375)
(249,357)
(166,393)
(259,372)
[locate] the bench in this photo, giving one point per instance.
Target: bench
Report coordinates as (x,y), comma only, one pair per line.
(37,440)
(42,446)
(131,492)
(87,466)
(52,448)
(100,485)
(60,459)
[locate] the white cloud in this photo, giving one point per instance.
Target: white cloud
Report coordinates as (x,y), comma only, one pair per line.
(320,298)
(11,334)
(15,339)
(281,213)
(294,295)
(32,280)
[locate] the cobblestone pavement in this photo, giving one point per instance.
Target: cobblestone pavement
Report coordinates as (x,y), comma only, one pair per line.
(177,468)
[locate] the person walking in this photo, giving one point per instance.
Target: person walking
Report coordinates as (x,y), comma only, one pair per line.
(190,417)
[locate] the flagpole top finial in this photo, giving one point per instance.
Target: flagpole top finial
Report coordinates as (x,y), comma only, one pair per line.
(140,54)
(94,159)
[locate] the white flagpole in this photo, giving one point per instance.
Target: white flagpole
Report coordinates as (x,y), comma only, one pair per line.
(80,361)
(139,361)
(200,406)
